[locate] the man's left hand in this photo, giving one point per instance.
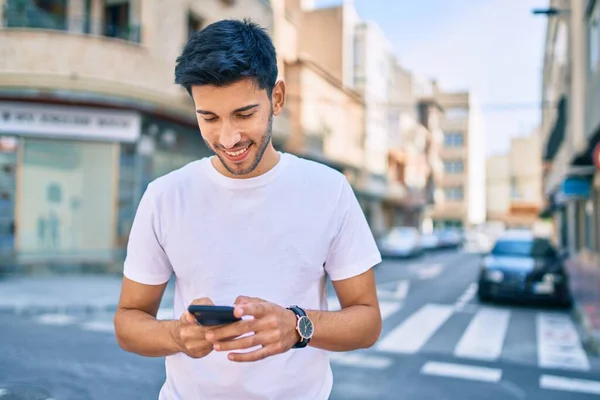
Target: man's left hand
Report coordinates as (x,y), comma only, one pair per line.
(274,329)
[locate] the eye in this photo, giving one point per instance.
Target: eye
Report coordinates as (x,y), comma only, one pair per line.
(245,116)
(213,119)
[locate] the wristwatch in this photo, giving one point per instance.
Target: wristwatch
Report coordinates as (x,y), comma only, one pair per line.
(304,327)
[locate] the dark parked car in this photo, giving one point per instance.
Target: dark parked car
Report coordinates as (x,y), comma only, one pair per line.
(524,266)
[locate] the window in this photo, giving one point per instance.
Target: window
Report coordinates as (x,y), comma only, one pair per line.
(454,139)
(116,22)
(594,37)
(453,166)
(541,248)
(194,24)
(453,193)
(43,14)
(515,193)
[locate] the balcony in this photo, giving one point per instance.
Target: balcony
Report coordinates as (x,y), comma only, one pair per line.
(57,61)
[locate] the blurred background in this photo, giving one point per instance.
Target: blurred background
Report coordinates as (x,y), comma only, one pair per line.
(468,129)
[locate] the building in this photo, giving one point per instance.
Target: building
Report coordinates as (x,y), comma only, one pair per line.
(570,145)
(326,118)
(89,115)
(514,184)
(460,201)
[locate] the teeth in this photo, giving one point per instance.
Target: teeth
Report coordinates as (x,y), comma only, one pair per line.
(236,153)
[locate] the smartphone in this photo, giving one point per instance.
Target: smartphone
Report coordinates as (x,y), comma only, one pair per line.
(213,315)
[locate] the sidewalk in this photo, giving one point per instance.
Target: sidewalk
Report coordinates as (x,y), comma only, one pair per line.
(68,294)
(584,276)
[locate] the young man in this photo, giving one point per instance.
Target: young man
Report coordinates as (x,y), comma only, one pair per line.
(251,227)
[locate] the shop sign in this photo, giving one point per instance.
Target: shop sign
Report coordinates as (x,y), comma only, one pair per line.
(69,122)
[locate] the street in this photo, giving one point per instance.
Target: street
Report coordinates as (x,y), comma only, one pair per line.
(437,343)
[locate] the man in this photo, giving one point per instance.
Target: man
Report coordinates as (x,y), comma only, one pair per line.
(251,227)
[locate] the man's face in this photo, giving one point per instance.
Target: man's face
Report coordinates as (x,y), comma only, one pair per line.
(235,122)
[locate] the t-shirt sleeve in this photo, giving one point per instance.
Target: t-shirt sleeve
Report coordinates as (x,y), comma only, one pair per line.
(353,250)
(146,261)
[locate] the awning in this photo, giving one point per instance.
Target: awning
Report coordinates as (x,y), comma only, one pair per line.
(557,134)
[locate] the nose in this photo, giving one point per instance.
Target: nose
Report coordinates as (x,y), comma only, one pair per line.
(229,135)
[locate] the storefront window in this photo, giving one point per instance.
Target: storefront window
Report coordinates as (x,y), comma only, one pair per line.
(67,199)
(8,164)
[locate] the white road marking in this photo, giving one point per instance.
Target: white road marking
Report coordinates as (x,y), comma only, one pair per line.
(99,326)
(558,343)
(399,294)
(360,360)
(569,384)
(484,336)
(387,308)
(462,371)
(414,332)
(56,319)
(164,313)
(428,272)
(466,297)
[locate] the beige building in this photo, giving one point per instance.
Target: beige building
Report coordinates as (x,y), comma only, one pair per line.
(460,189)
(89,115)
(514,184)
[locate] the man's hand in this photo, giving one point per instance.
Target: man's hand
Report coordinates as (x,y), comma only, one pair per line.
(274,330)
(190,336)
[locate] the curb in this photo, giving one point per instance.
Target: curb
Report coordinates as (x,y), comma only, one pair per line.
(28,310)
(590,338)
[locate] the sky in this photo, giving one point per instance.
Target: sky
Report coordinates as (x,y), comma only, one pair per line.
(493,48)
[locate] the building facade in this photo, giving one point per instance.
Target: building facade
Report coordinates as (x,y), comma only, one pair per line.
(571,147)
(514,184)
(460,199)
(84,129)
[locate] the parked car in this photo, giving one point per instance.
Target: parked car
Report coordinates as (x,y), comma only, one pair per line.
(477,243)
(401,242)
(449,238)
(429,241)
(524,266)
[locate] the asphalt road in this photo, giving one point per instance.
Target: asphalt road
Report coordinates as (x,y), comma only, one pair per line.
(438,343)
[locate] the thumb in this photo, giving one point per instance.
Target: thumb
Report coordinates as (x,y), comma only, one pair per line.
(202,301)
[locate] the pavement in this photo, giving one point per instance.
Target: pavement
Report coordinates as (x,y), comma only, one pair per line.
(438,342)
(64,293)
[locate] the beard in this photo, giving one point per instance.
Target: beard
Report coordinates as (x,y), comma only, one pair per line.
(251,165)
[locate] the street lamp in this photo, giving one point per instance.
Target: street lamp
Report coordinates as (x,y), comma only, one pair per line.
(550,12)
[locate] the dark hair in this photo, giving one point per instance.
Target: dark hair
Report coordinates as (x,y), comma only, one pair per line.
(226,52)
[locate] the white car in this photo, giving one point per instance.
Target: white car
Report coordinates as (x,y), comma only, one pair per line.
(401,242)
(429,241)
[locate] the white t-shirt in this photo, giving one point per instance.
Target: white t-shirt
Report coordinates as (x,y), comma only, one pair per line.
(275,236)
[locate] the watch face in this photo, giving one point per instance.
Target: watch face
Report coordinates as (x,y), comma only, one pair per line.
(305,326)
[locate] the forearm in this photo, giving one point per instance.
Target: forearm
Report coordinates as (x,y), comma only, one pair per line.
(354,327)
(141,333)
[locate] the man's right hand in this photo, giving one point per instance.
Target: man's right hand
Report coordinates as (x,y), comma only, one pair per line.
(189,335)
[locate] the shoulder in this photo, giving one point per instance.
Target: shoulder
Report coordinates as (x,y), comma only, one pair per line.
(174,182)
(316,174)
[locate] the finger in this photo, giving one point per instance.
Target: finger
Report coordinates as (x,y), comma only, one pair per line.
(264,352)
(231,330)
(247,299)
(257,310)
(246,342)
(203,301)
(188,319)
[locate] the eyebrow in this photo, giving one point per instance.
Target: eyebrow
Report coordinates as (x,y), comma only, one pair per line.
(237,110)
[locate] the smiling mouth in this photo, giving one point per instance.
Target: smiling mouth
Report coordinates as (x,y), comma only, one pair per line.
(239,154)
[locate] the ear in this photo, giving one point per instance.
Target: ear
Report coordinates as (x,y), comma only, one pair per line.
(278,97)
